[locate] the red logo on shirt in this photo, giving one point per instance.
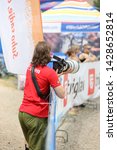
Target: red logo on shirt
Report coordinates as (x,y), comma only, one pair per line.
(91,81)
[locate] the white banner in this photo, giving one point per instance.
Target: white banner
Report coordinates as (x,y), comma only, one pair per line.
(19,31)
(79,87)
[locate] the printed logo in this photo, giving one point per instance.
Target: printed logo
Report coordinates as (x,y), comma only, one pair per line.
(91,81)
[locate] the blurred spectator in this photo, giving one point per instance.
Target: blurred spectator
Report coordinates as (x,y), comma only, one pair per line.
(94,41)
(73,52)
(87,56)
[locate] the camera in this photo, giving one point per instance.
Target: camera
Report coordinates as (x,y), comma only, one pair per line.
(63,65)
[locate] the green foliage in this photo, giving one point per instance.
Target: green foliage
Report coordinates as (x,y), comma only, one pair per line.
(97,4)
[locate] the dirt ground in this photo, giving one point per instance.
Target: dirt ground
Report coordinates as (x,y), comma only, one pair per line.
(80,130)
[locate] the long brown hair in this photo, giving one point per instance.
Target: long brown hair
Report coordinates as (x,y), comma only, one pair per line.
(41,54)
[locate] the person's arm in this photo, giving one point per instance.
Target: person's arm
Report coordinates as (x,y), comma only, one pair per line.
(84,57)
(60,92)
(55,83)
(92,57)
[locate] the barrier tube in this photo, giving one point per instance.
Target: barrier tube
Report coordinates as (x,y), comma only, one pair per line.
(51,129)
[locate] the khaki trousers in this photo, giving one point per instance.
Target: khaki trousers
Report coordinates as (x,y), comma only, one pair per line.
(34,130)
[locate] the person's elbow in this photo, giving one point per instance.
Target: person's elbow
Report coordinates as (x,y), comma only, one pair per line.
(60,92)
(62,95)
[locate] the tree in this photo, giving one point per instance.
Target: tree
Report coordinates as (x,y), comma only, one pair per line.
(97,4)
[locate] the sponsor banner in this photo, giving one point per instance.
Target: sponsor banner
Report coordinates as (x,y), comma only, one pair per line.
(91,81)
(80,27)
(65,85)
(81,86)
(19,31)
(70,27)
(52,27)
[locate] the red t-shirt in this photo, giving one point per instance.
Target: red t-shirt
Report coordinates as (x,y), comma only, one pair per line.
(32,103)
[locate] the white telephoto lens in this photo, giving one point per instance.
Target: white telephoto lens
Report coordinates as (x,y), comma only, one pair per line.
(74,65)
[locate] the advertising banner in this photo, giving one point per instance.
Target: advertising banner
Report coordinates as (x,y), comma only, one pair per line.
(80,87)
(20,29)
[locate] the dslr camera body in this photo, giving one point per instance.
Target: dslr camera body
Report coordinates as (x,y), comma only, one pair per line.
(63,65)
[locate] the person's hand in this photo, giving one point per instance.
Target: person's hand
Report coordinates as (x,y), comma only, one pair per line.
(68,71)
(59,74)
(65,72)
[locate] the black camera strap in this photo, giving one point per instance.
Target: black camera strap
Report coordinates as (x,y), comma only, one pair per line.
(39,93)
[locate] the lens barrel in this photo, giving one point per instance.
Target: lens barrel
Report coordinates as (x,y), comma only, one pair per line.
(63,65)
(73,65)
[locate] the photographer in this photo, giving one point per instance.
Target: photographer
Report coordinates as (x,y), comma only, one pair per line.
(33,112)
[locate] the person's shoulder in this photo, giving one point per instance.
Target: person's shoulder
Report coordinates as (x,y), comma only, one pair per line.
(83,54)
(50,73)
(50,70)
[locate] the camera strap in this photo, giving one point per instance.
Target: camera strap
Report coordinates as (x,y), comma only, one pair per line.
(39,93)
